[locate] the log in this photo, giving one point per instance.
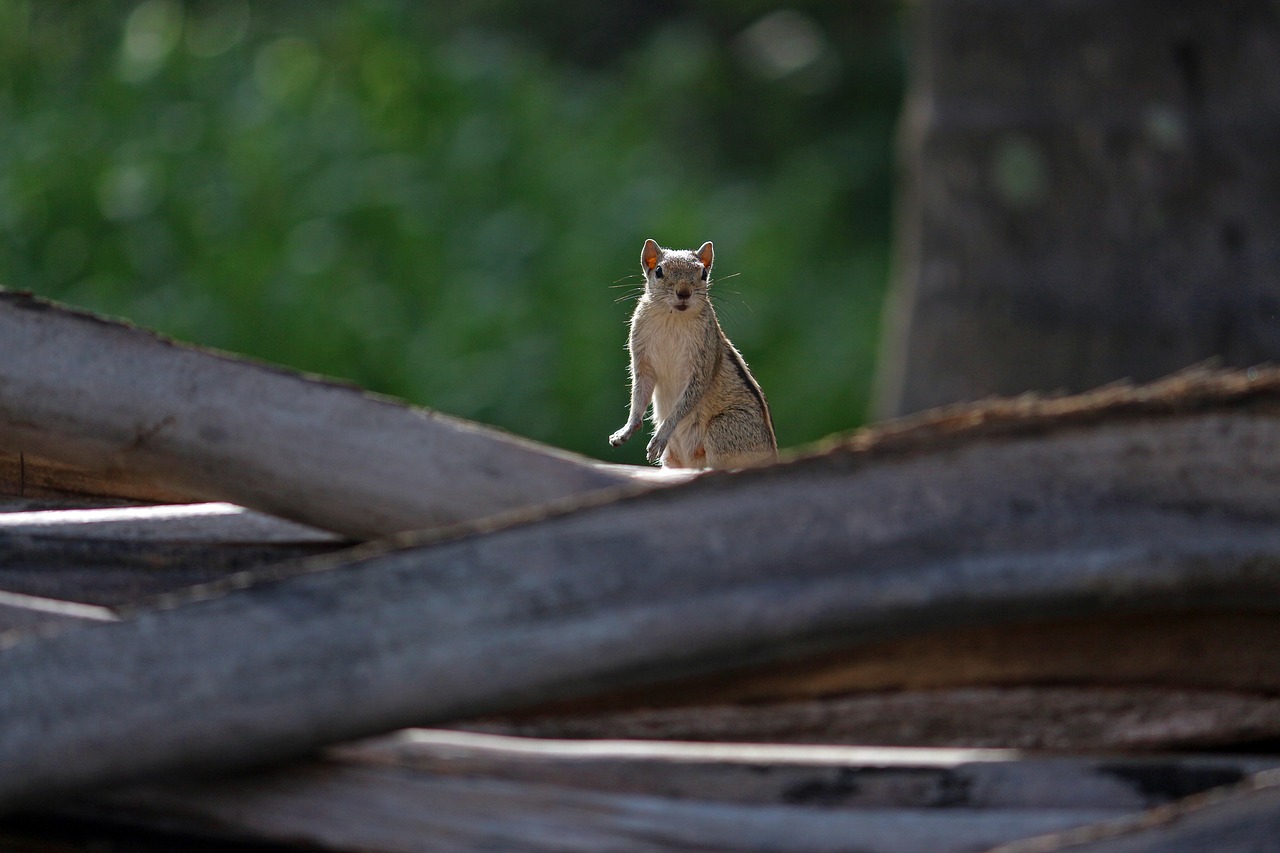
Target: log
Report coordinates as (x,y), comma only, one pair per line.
(1077,717)
(822,776)
(27,476)
(1140,501)
(1216,651)
(19,612)
(209,523)
(381,810)
(124,574)
(128,556)
(434,789)
(1243,819)
(119,402)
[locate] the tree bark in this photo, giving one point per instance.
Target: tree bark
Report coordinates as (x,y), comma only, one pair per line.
(1091,195)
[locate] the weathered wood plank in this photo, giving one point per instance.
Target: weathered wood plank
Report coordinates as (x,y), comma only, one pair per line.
(1233,651)
(1025,717)
(28,476)
(212,523)
(425,789)
(24,612)
(389,810)
(124,573)
(813,775)
(128,556)
(23,475)
(118,402)
(1244,819)
(1164,514)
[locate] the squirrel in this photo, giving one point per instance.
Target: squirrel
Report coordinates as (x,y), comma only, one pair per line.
(708,410)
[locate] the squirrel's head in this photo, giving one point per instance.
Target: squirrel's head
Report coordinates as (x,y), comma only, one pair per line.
(677,276)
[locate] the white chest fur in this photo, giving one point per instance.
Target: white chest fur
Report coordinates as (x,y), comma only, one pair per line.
(667,341)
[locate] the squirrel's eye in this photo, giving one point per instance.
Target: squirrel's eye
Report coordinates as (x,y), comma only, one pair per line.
(705,272)
(657,272)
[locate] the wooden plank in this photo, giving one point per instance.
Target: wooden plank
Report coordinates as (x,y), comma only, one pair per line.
(29,476)
(1244,819)
(1144,515)
(1063,718)
(212,523)
(129,556)
(425,789)
(136,573)
(25,612)
(121,403)
(822,776)
(433,789)
(1232,651)
(23,475)
(388,810)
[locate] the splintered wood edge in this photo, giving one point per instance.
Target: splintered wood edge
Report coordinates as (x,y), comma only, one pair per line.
(1196,390)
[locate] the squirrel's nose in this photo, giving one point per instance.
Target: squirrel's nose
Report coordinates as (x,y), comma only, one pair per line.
(684,294)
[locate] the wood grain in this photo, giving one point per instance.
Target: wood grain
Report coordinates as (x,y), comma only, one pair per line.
(29,476)
(210,523)
(1036,717)
(390,810)
(127,406)
(825,775)
(1210,650)
(1240,819)
(445,790)
(1145,515)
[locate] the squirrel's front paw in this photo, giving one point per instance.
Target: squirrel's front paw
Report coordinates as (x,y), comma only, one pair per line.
(620,437)
(656,447)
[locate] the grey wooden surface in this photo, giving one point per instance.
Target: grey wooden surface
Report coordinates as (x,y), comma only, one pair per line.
(438,790)
(1149,514)
(1083,716)
(821,775)
(1228,652)
(209,523)
(107,397)
(124,557)
(390,811)
(1240,819)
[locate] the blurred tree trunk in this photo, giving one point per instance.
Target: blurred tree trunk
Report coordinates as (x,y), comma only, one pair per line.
(1092,193)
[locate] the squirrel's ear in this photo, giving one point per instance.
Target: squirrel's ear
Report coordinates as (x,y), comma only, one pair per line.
(650,255)
(706,254)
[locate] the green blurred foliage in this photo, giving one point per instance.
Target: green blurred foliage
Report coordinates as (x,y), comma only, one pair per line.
(447,203)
